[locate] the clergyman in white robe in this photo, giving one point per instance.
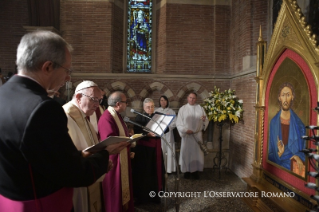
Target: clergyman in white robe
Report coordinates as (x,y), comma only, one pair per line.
(189,118)
(79,194)
(171,165)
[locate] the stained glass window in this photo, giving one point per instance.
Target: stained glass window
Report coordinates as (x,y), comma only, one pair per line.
(139,36)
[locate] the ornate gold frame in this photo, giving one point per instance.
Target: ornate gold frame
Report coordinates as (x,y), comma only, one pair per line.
(290,32)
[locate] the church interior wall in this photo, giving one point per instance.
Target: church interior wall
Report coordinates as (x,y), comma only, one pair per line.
(203,44)
(13,16)
(242,134)
(246,19)
(161,40)
(197,39)
(87,25)
(117,39)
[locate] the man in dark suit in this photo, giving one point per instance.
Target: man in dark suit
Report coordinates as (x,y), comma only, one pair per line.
(57,98)
(39,163)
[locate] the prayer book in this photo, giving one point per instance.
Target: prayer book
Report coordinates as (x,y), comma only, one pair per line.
(112,140)
(159,123)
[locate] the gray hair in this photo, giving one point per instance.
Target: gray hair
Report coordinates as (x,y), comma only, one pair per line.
(147,100)
(114,98)
(37,47)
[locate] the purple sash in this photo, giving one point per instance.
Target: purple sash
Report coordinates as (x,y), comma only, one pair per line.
(60,200)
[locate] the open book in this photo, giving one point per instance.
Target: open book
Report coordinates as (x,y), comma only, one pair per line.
(159,123)
(112,140)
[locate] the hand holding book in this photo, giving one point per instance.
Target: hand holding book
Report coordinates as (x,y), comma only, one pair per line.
(114,144)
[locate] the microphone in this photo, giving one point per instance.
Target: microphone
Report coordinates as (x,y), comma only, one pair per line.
(313,127)
(315,197)
(127,119)
(134,111)
(314,137)
(308,150)
(315,156)
(313,174)
(311,185)
(305,137)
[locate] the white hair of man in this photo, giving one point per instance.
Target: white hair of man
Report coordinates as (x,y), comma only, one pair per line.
(37,47)
(147,100)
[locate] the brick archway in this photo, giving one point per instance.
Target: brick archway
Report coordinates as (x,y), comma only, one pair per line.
(191,87)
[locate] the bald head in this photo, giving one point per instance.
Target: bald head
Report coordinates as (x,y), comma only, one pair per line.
(118,101)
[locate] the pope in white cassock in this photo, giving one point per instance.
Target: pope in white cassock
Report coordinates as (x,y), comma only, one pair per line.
(170,164)
(191,120)
(83,104)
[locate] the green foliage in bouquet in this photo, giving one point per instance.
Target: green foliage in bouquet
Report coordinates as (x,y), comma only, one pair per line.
(220,106)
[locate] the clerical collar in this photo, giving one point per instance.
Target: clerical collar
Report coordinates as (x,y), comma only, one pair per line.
(29,78)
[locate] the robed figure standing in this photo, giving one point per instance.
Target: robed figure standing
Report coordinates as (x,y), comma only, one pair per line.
(117,185)
(148,164)
(39,164)
(84,102)
(169,147)
(190,122)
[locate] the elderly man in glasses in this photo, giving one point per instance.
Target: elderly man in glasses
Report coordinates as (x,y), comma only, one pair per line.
(117,185)
(85,101)
(39,164)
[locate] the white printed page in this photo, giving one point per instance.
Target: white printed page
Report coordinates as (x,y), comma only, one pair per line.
(159,123)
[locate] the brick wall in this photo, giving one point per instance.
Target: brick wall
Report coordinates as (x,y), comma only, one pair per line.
(242,134)
(13,16)
(117,40)
(161,25)
(193,39)
(246,17)
(197,39)
(88,27)
(175,86)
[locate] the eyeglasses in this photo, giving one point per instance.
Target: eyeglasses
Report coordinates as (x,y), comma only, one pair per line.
(94,99)
(68,70)
(150,107)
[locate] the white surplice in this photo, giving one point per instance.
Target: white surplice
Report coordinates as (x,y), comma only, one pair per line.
(191,156)
(171,165)
(94,120)
(78,136)
(80,195)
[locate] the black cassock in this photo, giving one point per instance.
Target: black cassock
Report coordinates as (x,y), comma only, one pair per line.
(148,165)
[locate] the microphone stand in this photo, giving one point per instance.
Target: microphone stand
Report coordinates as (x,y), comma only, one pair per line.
(68,88)
(177,178)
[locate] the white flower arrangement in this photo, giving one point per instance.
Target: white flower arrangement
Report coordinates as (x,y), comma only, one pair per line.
(220,106)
